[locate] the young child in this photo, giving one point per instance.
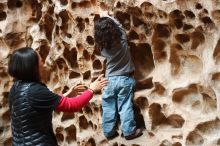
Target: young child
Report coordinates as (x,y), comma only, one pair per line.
(111,41)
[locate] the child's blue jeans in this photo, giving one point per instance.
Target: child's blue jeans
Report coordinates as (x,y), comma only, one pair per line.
(118,99)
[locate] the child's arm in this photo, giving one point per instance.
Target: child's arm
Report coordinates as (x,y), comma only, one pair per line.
(123,36)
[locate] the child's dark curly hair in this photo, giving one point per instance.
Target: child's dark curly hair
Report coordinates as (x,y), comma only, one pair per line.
(107,33)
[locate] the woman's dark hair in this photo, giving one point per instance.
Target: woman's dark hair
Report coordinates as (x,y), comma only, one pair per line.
(107,33)
(24,65)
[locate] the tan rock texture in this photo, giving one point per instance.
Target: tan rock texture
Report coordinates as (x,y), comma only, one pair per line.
(175,45)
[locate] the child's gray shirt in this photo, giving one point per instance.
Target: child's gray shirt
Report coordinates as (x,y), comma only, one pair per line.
(118,58)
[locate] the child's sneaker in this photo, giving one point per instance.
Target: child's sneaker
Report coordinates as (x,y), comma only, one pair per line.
(137,133)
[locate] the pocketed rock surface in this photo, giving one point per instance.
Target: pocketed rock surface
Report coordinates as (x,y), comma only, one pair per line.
(175,45)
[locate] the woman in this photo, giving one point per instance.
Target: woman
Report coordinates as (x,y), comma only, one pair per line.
(32,103)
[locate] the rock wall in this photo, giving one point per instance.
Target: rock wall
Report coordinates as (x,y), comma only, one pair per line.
(175,45)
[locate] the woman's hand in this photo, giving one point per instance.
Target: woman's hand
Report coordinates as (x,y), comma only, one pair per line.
(98,84)
(75,90)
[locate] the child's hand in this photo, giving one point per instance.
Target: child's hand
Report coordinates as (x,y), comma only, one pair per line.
(104,13)
(98,84)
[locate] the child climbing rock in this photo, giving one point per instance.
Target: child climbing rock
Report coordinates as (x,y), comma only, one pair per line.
(111,41)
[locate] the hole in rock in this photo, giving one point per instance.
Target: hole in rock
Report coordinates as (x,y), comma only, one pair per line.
(64,2)
(174,58)
(209,104)
(178,23)
(132,35)
(179,94)
(177,144)
(209,127)
(93,2)
(87,20)
(96,17)
(2,6)
(216,76)
(182,38)
(69,35)
(80,46)
(104,6)
(90,40)
(67,116)
(47,25)
(61,63)
(14,39)
(8,142)
(59,137)
(59,129)
(142,102)
(217,50)
(218,141)
(87,110)
(150,15)
(138,117)
(97,64)
(189,14)
(44,51)
(198,6)
(71,133)
(176,121)
(136,21)
(5,99)
(86,55)
(71,57)
(14,4)
(3,15)
(207,20)
(144,84)
(146,6)
(156,115)
(187,27)
(6,116)
(91,142)
(80,24)
(124,19)
(162,30)
(83,123)
(65,89)
(73,5)
(158,49)
(95,127)
(118,5)
(87,75)
(194,139)
(176,14)
(136,11)
(143,61)
(216,14)
(158,88)
(74,75)
(64,15)
(197,39)
(205,11)
(165,143)
(85,4)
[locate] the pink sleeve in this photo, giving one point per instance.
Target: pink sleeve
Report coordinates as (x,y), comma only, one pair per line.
(74,104)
